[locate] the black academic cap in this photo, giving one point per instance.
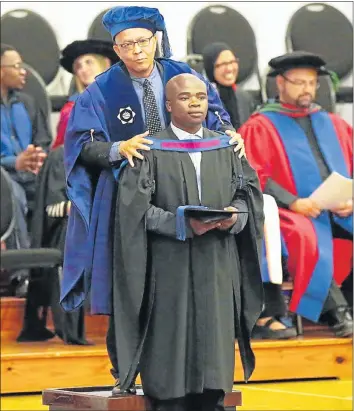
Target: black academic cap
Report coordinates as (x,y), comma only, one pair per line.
(297,59)
(80,47)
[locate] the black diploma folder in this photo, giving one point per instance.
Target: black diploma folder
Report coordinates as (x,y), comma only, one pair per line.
(209,215)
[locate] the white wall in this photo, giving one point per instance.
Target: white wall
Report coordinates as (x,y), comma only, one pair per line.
(269,20)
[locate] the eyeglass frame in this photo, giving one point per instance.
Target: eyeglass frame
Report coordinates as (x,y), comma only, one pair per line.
(132,43)
(227,63)
(303,83)
(16,66)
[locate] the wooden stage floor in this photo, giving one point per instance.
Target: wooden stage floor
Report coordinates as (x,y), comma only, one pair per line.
(277,396)
(31,367)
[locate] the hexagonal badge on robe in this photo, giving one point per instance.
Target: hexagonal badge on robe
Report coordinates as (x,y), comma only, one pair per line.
(126,115)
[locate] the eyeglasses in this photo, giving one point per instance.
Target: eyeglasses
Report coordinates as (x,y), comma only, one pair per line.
(223,65)
(303,83)
(16,66)
(131,44)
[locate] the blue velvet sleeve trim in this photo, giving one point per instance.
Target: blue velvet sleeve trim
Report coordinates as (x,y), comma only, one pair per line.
(181,228)
(8,162)
(114,152)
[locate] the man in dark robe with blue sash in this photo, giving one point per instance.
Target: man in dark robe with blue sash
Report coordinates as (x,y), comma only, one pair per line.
(185,288)
(294,146)
(109,122)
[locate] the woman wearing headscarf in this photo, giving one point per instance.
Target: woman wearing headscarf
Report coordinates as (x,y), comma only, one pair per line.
(85,60)
(222,68)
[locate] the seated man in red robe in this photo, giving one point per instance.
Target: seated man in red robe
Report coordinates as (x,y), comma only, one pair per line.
(294,146)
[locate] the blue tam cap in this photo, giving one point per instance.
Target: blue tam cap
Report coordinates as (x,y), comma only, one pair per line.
(122,18)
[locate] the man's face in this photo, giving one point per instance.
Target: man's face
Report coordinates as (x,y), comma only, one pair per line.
(298,86)
(188,103)
(226,68)
(13,75)
(136,48)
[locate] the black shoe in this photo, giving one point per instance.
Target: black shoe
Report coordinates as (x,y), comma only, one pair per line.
(341,322)
(264,332)
(118,391)
(35,334)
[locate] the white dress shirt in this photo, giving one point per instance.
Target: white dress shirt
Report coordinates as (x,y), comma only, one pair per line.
(195,157)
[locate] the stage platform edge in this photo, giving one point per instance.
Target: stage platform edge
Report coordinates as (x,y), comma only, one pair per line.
(99,398)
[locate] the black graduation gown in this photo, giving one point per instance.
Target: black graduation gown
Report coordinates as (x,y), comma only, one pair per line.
(44,287)
(178,305)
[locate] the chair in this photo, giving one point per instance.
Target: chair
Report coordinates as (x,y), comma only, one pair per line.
(34,39)
(195,61)
(222,23)
(325,95)
(322,29)
(12,260)
(97,30)
(36,88)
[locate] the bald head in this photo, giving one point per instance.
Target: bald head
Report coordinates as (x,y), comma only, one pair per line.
(187,101)
(182,81)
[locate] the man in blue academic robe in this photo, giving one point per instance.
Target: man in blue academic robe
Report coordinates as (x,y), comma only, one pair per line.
(110,121)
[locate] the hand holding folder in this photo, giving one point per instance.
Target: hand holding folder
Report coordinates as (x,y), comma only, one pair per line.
(210,215)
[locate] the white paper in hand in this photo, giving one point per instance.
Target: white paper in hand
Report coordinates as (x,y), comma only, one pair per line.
(335,190)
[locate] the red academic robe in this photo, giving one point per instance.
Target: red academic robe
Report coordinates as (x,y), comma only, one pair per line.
(266,153)
(63,122)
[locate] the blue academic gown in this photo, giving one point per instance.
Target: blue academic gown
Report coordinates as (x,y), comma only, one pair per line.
(109,107)
(16,132)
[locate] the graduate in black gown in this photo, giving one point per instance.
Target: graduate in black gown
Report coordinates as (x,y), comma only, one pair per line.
(50,219)
(186,289)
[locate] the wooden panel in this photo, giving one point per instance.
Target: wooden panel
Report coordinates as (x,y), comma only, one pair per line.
(304,357)
(32,367)
(34,373)
(11,315)
(12,311)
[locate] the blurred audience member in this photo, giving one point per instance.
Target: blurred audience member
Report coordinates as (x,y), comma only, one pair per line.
(270,324)
(294,145)
(25,137)
(85,59)
(222,68)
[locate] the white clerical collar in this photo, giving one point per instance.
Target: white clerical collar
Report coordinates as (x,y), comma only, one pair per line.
(184,135)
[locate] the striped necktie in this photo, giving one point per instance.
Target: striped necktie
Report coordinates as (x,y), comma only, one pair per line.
(152,118)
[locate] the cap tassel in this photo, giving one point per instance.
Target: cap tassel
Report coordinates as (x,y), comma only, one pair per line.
(334,79)
(165,45)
